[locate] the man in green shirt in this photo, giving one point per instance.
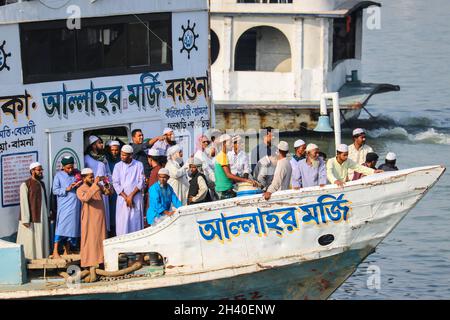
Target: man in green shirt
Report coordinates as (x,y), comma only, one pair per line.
(222,171)
(337,167)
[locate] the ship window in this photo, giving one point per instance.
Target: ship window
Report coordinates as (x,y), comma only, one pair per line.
(344,38)
(263,49)
(102,47)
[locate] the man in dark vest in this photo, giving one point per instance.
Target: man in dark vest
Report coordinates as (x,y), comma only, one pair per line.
(198,189)
(33,232)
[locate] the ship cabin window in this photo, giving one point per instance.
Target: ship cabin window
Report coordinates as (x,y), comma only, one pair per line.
(344,37)
(101,47)
(215,47)
(263,49)
(121,134)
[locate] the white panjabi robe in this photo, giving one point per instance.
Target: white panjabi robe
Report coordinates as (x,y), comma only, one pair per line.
(35,239)
(178,180)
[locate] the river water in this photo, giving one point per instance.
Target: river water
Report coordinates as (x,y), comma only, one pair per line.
(412,49)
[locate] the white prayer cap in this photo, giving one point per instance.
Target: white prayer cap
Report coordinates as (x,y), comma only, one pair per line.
(86,171)
(342,148)
(311,147)
(299,143)
(195,162)
(391,156)
(93,139)
(114,143)
(164,171)
(236,138)
(223,138)
(283,146)
(35,165)
(173,149)
(152,152)
(127,148)
(358,131)
(167,130)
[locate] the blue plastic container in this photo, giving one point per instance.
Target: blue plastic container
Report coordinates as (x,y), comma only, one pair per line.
(248,193)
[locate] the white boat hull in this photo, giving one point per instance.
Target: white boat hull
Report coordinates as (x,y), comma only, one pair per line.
(249,248)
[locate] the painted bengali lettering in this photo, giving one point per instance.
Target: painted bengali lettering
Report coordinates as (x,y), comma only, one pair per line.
(106,100)
(147,92)
(327,208)
(15,105)
(187,89)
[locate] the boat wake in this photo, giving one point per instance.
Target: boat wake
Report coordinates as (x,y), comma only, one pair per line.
(414,129)
(430,136)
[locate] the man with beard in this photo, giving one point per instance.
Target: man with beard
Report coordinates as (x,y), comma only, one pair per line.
(198,189)
(283,171)
(33,232)
(312,170)
(358,150)
(68,208)
(162,198)
(299,149)
(337,167)
(113,157)
(93,224)
(163,142)
(95,159)
(129,181)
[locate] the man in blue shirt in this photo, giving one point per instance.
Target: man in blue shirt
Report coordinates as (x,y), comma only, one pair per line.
(162,197)
(312,170)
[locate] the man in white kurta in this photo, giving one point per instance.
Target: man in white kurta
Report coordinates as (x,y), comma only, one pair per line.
(283,171)
(128,181)
(95,159)
(358,150)
(33,232)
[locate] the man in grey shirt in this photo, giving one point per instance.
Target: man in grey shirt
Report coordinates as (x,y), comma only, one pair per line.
(283,171)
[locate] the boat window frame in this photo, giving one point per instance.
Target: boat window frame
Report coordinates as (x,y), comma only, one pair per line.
(92,22)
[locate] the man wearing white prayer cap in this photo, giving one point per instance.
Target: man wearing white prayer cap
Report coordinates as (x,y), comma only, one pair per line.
(299,154)
(358,150)
(389,162)
(178,172)
(198,188)
(154,158)
(95,158)
(163,142)
(311,170)
(35,165)
(161,198)
(224,178)
(93,223)
(113,158)
(239,162)
(283,172)
(129,181)
(33,232)
(86,171)
(339,166)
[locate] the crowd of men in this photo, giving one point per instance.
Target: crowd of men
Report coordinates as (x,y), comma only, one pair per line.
(124,188)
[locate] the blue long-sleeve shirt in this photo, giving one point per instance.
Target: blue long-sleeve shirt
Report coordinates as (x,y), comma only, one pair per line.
(68,213)
(309,176)
(161,199)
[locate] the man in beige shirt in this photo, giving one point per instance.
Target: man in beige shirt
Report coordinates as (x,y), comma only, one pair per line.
(283,171)
(358,150)
(338,167)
